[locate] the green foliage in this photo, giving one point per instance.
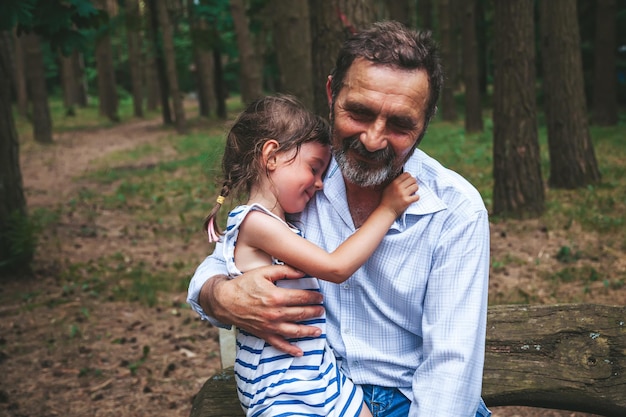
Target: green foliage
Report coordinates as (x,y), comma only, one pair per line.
(566,255)
(57,21)
(22,235)
(584,274)
(20,240)
(14,11)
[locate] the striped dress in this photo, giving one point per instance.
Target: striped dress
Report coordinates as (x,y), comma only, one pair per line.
(272,383)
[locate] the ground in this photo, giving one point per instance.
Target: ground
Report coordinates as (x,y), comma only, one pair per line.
(66,353)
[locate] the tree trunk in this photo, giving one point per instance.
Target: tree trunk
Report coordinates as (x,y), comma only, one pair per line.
(518,185)
(12,200)
(332,22)
(153,88)
(605,80)
(484,46)
(170,65)
(206,84)
(20,78)
(292,45)
(36,82)
(107,87)
(401,11)
(133,26)
(250,75)
(220,85)
(159,62)
(425,14)
(69,82)
(473,105)
(572,158)
(448,59)
(203,59)
(81,80)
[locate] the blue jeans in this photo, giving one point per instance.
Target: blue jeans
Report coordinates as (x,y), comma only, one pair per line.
(390,402)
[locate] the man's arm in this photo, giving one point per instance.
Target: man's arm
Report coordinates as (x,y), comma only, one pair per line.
(254,303)
(449,379)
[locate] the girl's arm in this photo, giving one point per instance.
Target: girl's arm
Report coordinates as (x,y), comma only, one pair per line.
(271,236)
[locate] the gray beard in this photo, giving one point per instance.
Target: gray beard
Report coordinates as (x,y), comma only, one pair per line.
(361,175)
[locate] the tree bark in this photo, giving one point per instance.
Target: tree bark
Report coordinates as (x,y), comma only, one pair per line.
(153,88)
(36,82)
(12,200)
(518,185)
(202,41)
(20,78)
(292,45)
(107,87)
(484,46)
(401,11)
(159,63)
(81,80)
(425,14)
(133,25)
(69,82)
(473,105)
(605,80)
(448,59)
(572,157)
(332,22)
(220,87)
(170,65)
(250,76)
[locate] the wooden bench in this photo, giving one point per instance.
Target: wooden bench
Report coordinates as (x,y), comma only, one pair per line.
(567,357)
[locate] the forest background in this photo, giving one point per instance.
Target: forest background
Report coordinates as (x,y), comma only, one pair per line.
(112,117)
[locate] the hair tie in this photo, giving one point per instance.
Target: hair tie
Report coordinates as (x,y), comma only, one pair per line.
(220,200)
(213,236)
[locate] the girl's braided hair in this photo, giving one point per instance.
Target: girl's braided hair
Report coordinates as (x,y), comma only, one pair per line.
(279,117)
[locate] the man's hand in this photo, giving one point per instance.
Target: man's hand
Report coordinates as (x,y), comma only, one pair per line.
(255,304)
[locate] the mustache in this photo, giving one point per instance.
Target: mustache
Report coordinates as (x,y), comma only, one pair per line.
(354,144)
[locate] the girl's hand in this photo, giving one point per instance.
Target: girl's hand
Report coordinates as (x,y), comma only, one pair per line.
(398,195)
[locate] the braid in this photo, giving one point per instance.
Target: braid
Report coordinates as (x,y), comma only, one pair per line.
(210,223)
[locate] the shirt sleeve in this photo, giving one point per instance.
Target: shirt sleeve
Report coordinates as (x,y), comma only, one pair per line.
(448,381)
(211,266)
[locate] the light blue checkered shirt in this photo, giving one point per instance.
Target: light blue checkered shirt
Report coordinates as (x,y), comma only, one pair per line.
(414,316)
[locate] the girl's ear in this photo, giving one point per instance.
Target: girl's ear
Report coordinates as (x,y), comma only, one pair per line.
(269,153)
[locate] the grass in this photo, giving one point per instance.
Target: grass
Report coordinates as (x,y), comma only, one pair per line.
(600,208)
(170,197)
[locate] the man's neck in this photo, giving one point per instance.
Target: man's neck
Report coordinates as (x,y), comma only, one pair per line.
(362,202)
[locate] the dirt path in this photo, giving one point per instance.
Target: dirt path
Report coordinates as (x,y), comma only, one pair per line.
(76,355)
(64,352)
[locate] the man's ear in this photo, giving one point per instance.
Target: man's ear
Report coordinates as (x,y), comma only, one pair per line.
(269,153)
(329,94)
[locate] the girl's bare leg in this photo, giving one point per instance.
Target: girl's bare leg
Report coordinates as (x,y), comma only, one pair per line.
(365,412)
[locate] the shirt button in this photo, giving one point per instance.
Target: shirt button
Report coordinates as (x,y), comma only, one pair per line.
(355,363)
(346,286)
(347,331)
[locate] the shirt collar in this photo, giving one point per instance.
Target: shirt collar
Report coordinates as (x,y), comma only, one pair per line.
(429,202)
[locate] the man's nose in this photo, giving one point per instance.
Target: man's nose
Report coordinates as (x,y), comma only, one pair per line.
(374,138)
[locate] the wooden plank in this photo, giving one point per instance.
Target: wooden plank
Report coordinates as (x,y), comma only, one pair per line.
(567,357)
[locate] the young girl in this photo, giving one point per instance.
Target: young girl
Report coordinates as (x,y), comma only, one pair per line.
(277,153)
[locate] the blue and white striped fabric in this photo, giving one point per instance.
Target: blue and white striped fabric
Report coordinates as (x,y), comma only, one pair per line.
(272,383)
